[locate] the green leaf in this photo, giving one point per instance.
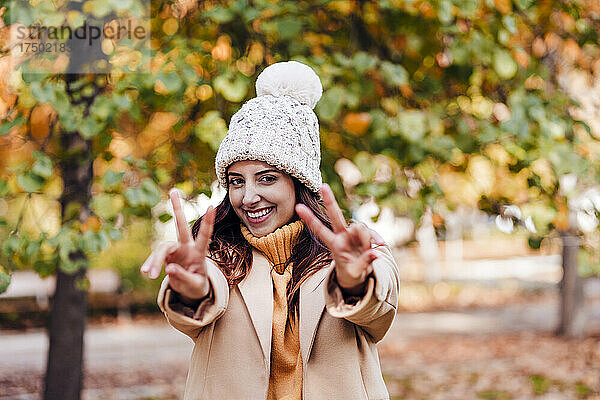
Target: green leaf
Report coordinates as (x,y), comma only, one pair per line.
(468,7)
(129,159)
(341,59)
(232,88)
(460,54)
(412,125)
(211,129)
(239,6)
(151,192)
(77,20)
(121,101)
(289,27)
(4,280)
(250,14)
(161,175)
(30,182)
(394,74)
(11,245)
(6,126)
(510,23)
(101,8)
(66,247)
(51,18)
(147,194)
(330,104)
(111,179)
(366,165)
(523,4)
(504,65)
(61,103)
(165,217)
(42,165)
(45,268)
(113,234)
(4,188)
(43,94)
(94,242)
(445,13)
(90,127)
(122,5)
(32,249)
(102,108)
(363,61)
(106,205)
(19,12)
(70,120)
(583,124)
(220,15)
(171,80)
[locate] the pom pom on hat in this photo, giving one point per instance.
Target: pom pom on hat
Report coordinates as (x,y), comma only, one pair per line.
(292,79)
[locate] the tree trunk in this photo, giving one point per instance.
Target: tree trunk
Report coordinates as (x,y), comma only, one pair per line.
(572,312)
(64,374)
(64,371)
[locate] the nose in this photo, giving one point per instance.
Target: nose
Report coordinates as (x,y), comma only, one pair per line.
(250,196)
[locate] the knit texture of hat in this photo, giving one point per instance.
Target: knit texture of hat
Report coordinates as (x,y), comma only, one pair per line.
(278,126)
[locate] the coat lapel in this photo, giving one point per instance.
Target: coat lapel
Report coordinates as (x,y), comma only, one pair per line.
(312,304)
(257,291)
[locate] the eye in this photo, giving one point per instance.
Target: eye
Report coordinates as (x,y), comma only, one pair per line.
(235,181)
(268,178)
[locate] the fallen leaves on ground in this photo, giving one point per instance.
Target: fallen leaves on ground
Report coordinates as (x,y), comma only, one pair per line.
(509,366)
(420,297)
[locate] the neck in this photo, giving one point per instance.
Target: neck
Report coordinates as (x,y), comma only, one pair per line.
(277,246)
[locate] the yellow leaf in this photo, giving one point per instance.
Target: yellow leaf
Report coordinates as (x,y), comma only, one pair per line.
(504,6)
(170,26)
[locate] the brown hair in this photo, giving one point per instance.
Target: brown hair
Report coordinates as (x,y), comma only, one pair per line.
(233,254)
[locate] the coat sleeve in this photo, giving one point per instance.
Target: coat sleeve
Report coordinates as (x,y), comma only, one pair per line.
(376,310)
(190,321)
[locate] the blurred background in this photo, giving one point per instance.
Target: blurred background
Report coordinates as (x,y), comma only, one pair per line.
(465,132)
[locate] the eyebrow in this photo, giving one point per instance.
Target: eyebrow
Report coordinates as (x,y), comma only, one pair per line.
(264,171)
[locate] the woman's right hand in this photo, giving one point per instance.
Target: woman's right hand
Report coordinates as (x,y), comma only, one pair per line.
(185,259)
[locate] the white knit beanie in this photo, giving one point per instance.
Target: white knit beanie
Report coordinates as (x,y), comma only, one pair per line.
(278,126)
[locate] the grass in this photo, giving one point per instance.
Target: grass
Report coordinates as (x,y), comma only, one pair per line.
(540,384)
(493,395)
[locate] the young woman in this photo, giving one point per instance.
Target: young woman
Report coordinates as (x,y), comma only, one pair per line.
(282,298)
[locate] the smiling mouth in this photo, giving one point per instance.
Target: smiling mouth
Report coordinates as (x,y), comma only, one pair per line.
(259,216)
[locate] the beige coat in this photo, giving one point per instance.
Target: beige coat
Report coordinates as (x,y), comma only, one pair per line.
(232,334)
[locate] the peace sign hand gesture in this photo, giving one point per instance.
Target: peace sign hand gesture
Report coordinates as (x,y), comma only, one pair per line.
(350,246)
(186,258)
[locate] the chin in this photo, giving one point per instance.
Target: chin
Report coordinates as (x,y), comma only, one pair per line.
(262,231)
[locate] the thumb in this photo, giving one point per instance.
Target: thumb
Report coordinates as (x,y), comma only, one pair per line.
(175,271)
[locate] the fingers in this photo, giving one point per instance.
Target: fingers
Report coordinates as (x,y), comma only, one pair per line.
(313,223)
(205,231)
(183,229)
(189,284)
(338,223)
(155,261)
(376,237)
(350,276)
(361,235)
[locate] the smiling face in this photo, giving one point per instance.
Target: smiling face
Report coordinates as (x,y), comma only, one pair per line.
(262,196)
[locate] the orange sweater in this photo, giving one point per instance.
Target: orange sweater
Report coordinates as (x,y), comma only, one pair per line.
(285,380)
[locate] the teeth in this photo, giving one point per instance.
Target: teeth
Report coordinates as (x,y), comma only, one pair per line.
(259,214)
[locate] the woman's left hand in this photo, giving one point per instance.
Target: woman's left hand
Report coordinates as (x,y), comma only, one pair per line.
(350,246)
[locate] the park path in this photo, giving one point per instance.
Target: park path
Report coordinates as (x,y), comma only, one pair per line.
(130,360)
